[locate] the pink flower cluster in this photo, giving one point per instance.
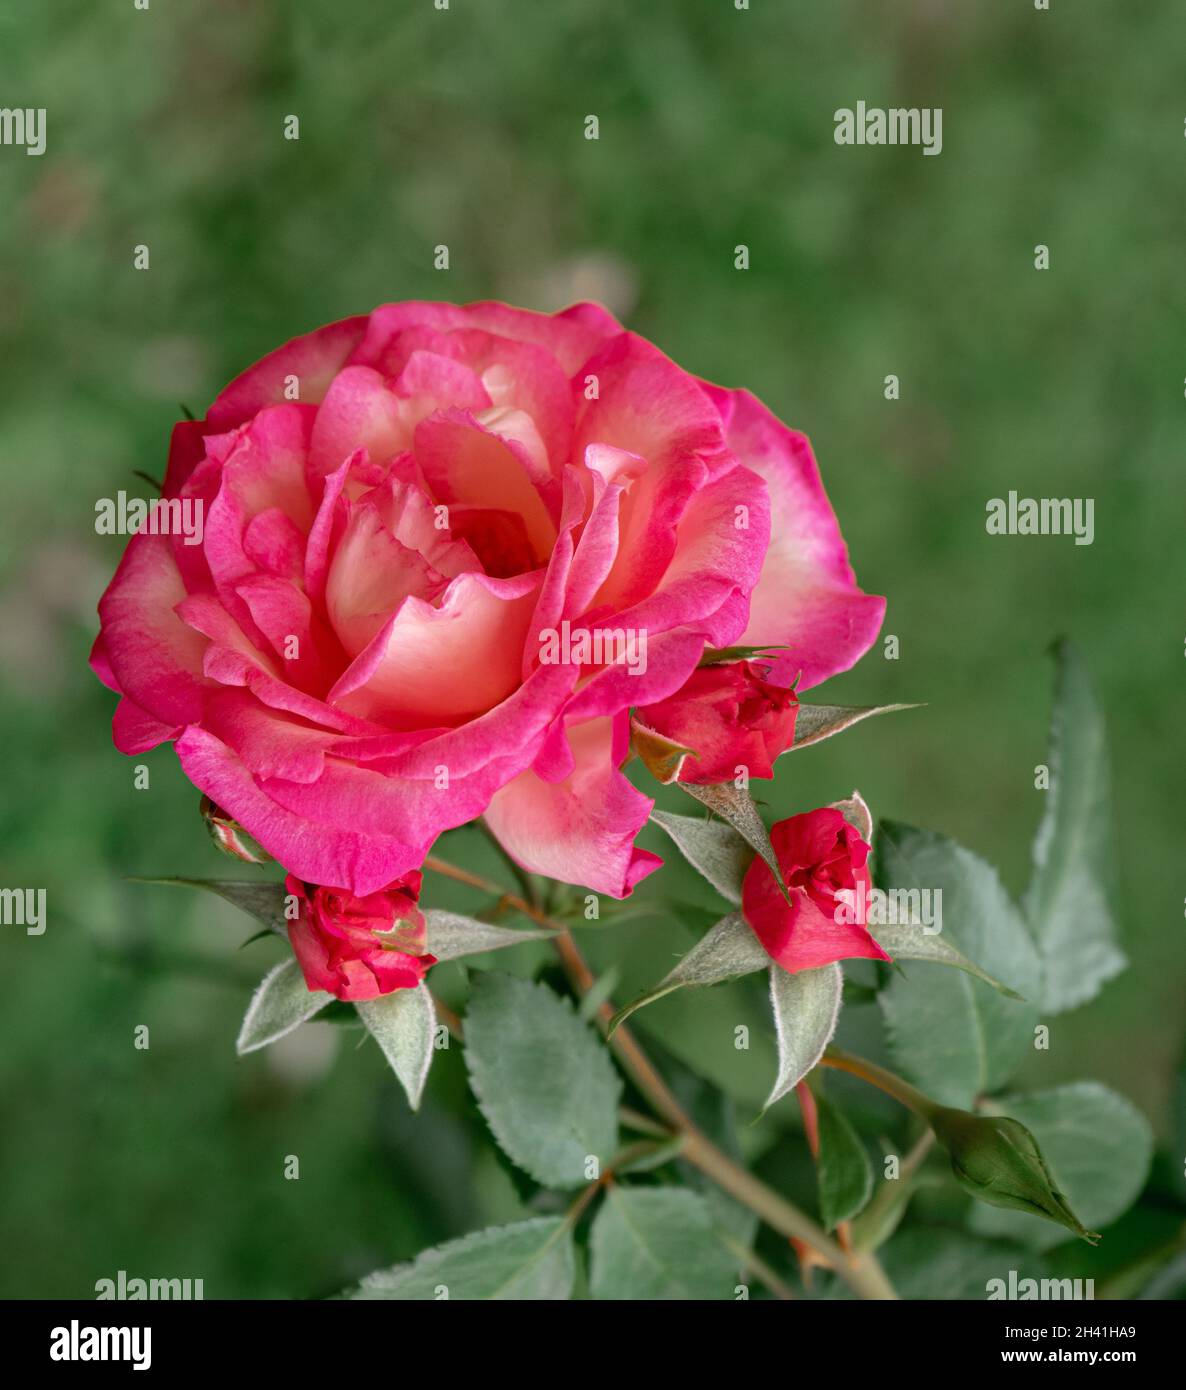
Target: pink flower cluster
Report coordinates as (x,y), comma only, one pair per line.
(399,509)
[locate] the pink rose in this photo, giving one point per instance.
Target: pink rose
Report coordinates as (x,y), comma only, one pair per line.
(360,948)
(730,717)
(401,512)
(820,856)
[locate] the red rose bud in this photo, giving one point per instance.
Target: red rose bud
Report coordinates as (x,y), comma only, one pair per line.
(360,948)
(824,866)
(728,716)
(230,837)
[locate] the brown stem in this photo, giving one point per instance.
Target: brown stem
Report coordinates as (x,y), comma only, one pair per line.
(439,866)
(643,1124)
(902,1091)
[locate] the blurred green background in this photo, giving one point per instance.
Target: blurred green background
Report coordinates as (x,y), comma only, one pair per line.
(466,127)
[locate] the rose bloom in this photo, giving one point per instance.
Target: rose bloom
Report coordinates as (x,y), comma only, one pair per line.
(360,948)
(730,717)
(399,511)
(819,854)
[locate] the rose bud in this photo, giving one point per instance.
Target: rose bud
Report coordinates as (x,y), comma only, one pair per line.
(824,866)
(998,1161)
(360,947)
(726,716)
(230,837)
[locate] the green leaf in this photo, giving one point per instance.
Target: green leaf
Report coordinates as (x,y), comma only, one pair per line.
(952,1035)
(542,1078)
(403,1023)
(928,1263)
(1067,902)
(726,951)
(658,1243)
(713,849)
(281,1004)
(451,935)
(598,994)
(531,1260)
(816,722)
(739,809)
(844,1172)
(806,1006)
(908,941)
(1097,1146)
(719,656)
(263,901)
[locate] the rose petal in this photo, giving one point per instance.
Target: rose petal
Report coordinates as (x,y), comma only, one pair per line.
(807,597)
(441,664)
(154,657)
(313,359)
(580,830)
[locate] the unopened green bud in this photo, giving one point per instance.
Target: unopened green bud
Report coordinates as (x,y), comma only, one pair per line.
(230,837)
(998,1161)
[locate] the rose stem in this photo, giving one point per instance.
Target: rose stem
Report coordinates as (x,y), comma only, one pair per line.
(891,1188)
(884,1080)
(861,1273)
(756,1265)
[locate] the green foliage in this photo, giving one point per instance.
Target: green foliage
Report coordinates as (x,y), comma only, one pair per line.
(910,942)
(813,723)
(953,1035)
(960,1032)
(738,809)
(403,1024)
(728,950)
(263,901)
(806,1005)
(713,848)
(1068,901)
(530,1260)
(658,1243)
(451,935)
(945,1263)
(845,1173)
(282,1002)
(543,1080)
